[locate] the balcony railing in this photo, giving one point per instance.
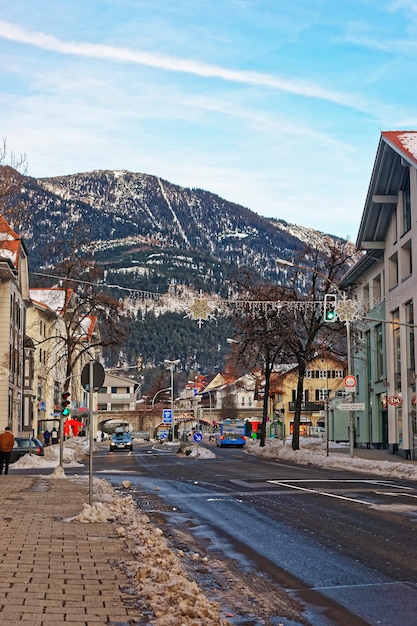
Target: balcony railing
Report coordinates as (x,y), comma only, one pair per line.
(307,406)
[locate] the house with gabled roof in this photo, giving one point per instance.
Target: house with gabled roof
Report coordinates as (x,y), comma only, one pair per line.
(15,391)
(384,282)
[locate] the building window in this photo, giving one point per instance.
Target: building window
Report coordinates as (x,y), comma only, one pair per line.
(395,316)
(365,298)
(393,271)
(406,202)
(411,358)
(379,349)
(377,291)
(406,260)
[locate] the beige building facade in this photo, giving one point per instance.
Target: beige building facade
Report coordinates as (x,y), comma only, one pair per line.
(15,404)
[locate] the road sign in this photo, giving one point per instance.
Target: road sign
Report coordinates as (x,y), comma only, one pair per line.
(167,416)
(349,381)
(163,434)
(198,436)
(98,376)
(353,406)
(395,400)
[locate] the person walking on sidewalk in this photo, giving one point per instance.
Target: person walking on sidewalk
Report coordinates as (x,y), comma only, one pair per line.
(46,437)
(54,436)
(6,446)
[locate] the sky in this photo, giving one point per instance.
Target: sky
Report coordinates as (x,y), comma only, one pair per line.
(277,106)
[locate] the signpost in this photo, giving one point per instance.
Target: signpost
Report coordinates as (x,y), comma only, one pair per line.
(198,438)
(167,416)
(93,372)
(353,406)
(350,382)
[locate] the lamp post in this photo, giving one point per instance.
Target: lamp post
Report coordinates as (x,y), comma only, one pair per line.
(157,393)
(346,312)
(171,366)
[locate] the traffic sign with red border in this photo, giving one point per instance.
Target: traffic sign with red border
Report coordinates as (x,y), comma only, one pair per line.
(349,381)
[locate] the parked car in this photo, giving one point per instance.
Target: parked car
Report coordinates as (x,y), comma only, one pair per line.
(26,445)
(121,441)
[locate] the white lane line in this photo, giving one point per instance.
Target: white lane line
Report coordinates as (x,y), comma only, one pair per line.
(348,481)
(320,493)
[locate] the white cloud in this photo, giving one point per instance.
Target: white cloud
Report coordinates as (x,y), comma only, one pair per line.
(15,33)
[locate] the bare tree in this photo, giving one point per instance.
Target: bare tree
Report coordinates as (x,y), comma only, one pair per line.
(259,336)
(12,171)
(293,331)
(229,409)
(84,302)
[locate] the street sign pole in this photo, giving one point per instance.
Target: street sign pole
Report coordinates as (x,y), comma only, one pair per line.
(92,379)
(91,413)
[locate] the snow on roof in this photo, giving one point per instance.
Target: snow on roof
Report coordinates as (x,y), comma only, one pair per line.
(405,140)
(55,298)
(9,243)
(87,325)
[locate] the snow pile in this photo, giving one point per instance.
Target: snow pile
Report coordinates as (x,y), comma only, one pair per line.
(74,452)
(159,576)
(313,452)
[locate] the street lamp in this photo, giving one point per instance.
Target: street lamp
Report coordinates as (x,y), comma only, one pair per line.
(157,394)
(346,311)
(171,366)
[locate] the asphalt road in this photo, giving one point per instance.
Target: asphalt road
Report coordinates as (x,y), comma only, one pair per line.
(344,544)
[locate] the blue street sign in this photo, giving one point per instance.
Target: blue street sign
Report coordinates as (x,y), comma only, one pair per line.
(167,416)
(198,436)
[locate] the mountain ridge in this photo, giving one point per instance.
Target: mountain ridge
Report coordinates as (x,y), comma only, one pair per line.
(145,210)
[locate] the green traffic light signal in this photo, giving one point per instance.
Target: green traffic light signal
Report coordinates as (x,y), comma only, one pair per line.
(329,310)
(65,404)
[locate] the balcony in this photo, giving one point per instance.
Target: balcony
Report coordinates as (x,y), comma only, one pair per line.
(309,407)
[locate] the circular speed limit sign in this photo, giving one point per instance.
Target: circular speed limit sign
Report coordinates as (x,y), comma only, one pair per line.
(349,381)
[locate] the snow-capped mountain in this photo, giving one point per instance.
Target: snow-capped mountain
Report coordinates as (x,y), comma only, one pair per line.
(139,225)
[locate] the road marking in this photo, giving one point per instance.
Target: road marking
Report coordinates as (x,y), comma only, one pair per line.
(320,493)
(347,480)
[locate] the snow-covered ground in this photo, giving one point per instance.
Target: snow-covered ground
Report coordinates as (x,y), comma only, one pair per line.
(157,570)
(313,452)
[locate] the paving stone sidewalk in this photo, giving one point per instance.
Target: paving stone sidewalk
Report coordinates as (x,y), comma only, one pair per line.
(53,572)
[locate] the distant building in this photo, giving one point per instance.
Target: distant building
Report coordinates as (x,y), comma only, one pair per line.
(118,393)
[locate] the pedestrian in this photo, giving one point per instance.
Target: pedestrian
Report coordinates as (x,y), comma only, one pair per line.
(54,435)
(6,447)
(46,437)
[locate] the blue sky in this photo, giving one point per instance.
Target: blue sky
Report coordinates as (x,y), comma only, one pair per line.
(275,105)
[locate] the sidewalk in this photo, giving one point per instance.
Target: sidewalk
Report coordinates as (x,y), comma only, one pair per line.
(54,572)
(370,454)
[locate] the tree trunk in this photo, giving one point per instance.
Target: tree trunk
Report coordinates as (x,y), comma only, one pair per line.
(298,405)
(265,404)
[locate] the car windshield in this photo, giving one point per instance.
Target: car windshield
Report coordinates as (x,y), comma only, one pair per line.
(20,442)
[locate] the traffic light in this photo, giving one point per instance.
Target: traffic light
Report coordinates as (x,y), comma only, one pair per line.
(65,404)
(329,312)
